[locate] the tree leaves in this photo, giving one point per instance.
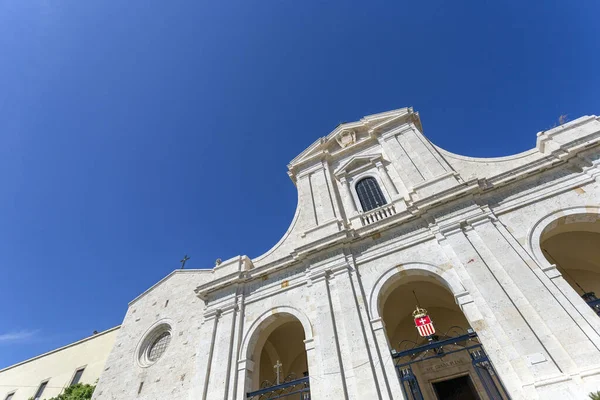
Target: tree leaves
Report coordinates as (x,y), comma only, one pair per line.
(76,392)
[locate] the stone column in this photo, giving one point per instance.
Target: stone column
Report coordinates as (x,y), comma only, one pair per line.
(348,199)
(313,366)
(387,181)
(237,329)
(204,357)
(327,376)
(244,371)
(218,380)
(385,355)
(361,377)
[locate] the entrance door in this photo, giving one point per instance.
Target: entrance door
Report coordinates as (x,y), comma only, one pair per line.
(460,388)
(460,356)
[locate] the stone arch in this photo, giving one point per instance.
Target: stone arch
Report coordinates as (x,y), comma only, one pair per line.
(447,277)
(264,319)
(572,265)
(454,314)
(537,230)
(266,342)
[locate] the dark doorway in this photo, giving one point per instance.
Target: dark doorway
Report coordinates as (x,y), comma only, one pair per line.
(460,388)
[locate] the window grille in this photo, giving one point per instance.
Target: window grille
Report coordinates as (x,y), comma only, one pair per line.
(369,194)
(157,349)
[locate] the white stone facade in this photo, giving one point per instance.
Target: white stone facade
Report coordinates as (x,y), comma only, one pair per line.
(471,226)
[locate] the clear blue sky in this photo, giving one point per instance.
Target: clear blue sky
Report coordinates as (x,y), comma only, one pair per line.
(134,132)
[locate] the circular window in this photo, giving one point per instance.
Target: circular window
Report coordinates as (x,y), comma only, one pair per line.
(157,349)
(154,345)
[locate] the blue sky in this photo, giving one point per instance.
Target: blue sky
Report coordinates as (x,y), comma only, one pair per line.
(132,133)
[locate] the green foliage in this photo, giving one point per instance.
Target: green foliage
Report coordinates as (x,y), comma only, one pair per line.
(76,392)
(595,396)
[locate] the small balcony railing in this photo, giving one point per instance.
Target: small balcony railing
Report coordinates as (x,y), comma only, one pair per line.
(377,214)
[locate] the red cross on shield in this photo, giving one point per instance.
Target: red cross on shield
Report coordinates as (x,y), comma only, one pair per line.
(424,325)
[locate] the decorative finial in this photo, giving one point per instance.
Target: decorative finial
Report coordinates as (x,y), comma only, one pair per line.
(218,262)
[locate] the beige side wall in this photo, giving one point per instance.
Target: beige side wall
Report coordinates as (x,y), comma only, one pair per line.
(58,367)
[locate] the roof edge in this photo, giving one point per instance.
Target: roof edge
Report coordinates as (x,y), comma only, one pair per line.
(177,271)
(62,348)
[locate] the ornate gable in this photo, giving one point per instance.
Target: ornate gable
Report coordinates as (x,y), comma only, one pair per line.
(346,135)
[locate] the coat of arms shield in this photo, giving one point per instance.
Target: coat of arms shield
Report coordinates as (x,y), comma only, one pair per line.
(423,322)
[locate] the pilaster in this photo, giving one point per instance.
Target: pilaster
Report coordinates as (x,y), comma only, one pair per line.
(361,377)
(237,329)
(496,337)
(385,355)
(329,382)
(387,181)
(211,324)
(348,199)
(219,369)
(400,159)
(572,347)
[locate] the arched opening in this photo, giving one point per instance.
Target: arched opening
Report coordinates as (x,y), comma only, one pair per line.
(400,302)
(284,351)
(369,194)
(278,354)
(442,361)
(572,243)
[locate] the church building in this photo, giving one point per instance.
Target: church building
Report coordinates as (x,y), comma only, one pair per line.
(407,272)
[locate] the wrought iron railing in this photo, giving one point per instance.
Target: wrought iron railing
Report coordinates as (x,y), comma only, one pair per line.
(298,389)
(436,347)
(454,341)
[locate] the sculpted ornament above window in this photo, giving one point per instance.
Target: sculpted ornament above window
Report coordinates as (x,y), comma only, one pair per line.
(346,138)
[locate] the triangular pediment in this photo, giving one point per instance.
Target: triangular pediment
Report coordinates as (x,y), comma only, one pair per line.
(356,163)
(345,135)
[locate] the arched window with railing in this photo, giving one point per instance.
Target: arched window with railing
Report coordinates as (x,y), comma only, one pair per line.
(369,194)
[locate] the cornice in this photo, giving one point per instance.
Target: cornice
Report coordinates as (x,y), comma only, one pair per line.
(368,159)
(477,190)
(419,209)
(204,290)
(87,339)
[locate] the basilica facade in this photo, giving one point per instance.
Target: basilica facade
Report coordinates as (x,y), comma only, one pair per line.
(408,272)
